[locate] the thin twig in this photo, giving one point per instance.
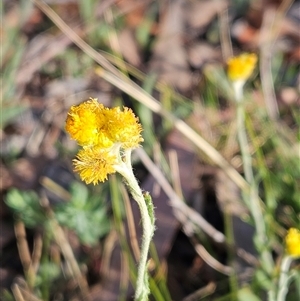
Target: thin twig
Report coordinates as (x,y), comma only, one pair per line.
(174,167)
(36,255)
(17,292)
(109,246)
(202,292)
(212,262)
(22,292)
(22,245)
(64,245)
(181,210)
(225,39)
(130,222)
(272,21)
(266,63)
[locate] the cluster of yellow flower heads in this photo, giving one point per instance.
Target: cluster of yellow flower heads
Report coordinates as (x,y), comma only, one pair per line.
(292,241)
(103,133)
(241,67)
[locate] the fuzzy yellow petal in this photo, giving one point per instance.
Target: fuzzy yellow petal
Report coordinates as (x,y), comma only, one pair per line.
(91,124)
(125,128)
(292,241)
(85,123)
(241,67)
(94,164)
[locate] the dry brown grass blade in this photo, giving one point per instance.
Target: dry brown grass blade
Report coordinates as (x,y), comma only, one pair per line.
(272,20)
(202,292)
(24,253)
(212,262)
(64,245)
(174,167)
(225,39)
(22,244)
(22,292)
(130,223)
(36,253)
(17,292)
(67,251)
(109,246)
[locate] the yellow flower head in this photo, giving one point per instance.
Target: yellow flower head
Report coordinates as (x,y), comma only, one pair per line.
(124,128)
(241,67)
(94,165)
(101,132)
(91,124)
(85,122)
(292,241)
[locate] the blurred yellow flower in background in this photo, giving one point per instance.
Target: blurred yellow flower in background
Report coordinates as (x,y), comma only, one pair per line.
(292,241)
(102,132)
(241,67)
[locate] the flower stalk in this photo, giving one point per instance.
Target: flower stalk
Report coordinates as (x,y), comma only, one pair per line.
(292,242)
(147,218)
(240,68)
(284,278)
(107,137)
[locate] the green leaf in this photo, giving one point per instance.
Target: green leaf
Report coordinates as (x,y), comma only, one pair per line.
(7,296)
(47,272)
(27,207)
(84,214)
(79,194)
(9,113)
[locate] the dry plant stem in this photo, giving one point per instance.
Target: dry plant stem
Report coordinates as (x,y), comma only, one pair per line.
(22,244)
(17,293)
(108,246)
(265,63)
(24,295)
(142,284)
(272,22)
(181,210)
(202,292)
(67,251)
(211,261)
(35,261)
(130,224)
(115,77)
(24,253)
(37,252)
(226,45)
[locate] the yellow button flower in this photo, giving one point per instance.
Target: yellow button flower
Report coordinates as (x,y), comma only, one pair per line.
(124,128)
(91,124)
(102,132)
(292,241)
(85,123)
(94,165)
(241,67)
